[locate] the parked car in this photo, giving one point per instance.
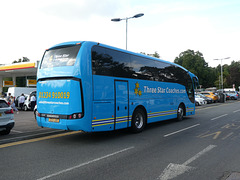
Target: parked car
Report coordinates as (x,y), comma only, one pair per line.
(232,95)
(6,118)
(207,99)
(218,96)
(210,95)
(27,103)
(199,101)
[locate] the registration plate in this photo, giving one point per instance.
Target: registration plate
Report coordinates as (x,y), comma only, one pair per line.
(53,120)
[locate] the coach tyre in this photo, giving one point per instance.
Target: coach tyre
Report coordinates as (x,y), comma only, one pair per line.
(180,112)
(138,120)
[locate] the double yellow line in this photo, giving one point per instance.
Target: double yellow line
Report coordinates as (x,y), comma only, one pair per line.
(37,139)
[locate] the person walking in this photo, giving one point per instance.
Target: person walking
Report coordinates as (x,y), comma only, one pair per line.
(33,102)
(8,98)
(21,101)
(12,104)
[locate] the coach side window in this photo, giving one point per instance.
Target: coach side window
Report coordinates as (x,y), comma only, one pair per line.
(190,89)
(101,62)
(120,63)
(143,68)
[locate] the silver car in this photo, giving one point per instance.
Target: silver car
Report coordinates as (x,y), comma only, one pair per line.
(6,118)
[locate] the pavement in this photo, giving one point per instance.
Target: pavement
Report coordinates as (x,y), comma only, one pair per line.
(26,127)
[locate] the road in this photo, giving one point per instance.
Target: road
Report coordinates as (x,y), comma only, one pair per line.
(204,146)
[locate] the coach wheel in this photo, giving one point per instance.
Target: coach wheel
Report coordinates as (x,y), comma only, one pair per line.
(138,120)
(180,112)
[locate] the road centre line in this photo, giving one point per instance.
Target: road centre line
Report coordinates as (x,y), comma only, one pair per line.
(181,130)
(219,117)
(37,139)
(86,163)
(236,111)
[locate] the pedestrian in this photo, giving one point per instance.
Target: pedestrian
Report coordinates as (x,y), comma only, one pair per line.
(12,104)
(8,98)
(4,95)
(33,102)
(21,101)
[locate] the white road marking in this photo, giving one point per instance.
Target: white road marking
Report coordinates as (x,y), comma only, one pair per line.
(236,111)
(181,130)
(84,164)
(227,136)
(219,117)
(173,170)
(209,148)
(16,131)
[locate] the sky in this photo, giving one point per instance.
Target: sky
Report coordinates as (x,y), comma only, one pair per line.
(170,27)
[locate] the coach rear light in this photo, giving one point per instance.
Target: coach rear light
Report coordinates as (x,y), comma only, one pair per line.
(79,115)
(75,116)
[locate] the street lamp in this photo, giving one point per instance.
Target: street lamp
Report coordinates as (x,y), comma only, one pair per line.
(127,18)
(222,70)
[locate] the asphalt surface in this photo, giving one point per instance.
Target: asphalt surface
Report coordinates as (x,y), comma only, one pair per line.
(26,128)
(201,147)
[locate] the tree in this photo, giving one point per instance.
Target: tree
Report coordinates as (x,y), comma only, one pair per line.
(232,74)
(24,59)
(156,55)
(195,63)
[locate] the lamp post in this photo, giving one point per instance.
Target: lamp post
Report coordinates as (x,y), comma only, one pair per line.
(127,18)
(222,70)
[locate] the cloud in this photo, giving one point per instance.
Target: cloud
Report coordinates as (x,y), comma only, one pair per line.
(75,10)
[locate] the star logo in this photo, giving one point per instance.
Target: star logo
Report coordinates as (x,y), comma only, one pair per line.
(137,90)
(137,85)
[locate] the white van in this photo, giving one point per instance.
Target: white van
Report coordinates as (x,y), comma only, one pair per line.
(17,91)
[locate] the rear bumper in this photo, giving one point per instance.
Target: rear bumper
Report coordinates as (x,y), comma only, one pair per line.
(64,124)
(8,126)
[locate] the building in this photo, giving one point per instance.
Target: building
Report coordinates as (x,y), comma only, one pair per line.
(23,69)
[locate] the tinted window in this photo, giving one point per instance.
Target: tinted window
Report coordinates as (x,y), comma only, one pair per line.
(110,63)
(189,87)
(3,104)
(143,68)
(63,56)
(121,63)
(101,63)
(161,71)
